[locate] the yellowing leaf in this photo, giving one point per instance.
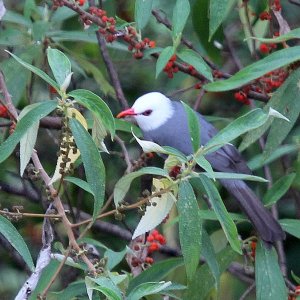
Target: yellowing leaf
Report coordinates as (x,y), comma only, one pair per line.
(71,113)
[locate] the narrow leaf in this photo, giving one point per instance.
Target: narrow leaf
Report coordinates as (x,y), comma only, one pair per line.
(271,62)
(181,12)
(16,240)
(96,105)
(93,165)
(253,119)
(189,227)
(222,214)
(268,277)
(194,129)
(59,64)
(291,226)
(33,116)
(79,182)
(224,175)
(192,58)
(148,288)
(36,71)
(123,185)
(163,59)
(142,12)
(203,163)
(278,189)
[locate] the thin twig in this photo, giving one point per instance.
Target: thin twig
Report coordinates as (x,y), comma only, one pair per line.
(125,153)
(248,291)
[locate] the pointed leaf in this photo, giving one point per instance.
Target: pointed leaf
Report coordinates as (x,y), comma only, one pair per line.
(193,123)
(154,215)
(189,227)
(93,165)
(27,142)
(36,71)
(142,12)
(203,163)
(278,189)
(222,214)
(268,277)
(148,288)
(253,119)
(181,12)
(33,116)
(59,64)
(291,226)
(123,185)
(192,58)
(224,175)
(97,106)
(15,239)
(270,63)
(79,182)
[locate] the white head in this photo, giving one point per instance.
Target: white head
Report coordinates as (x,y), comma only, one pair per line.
(150,111)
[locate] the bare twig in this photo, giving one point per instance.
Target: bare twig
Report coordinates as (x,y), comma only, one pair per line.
(42,261)
(125,153)
(248,291)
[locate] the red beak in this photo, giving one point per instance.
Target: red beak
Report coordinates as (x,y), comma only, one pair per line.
(127,112)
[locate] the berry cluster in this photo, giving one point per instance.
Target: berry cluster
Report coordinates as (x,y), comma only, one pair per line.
(3,111)
(294,295)
(155,240)
(265,15)
(170,67)
(137,47)
(266,48)
(271,81)
(242,96)
(175,171)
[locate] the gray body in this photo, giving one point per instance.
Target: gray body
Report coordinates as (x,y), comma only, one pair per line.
(175,133)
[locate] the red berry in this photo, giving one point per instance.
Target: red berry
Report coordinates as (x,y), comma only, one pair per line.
(104,19)
(3,111)
(153,247)
(149,260)
(264,48)
(81,2)
(150,238)
(173,57)
(198,86)
(152,44)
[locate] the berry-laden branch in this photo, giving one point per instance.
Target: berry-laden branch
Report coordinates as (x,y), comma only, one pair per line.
(108,31)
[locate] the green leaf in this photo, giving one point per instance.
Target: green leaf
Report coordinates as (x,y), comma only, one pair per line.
(278,189)
(296,278)
(72,291)
(259,160)
(224,175)
(79,182)
(205,277)
(16,240)
(210,256)
(36,71)
(271,62)
(16,18)
(218,11)
(252,119)
(27,142)
(33,116)
(13,37)
(123,185)
(193,123)
(163,59)
(142,12)
(148,288)
(268,277)
(189,227)
(291,226)
(96,105)
(181,12)
(203,163)
(59,64)
(192,58)
(207,214)
(222,214)
(93,165)
(103,285)
(156,272)
(293,34)
(284,100)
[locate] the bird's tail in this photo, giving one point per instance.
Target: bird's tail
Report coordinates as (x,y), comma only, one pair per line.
(267,227)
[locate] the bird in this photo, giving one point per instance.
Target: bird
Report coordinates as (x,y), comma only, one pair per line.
(164,121)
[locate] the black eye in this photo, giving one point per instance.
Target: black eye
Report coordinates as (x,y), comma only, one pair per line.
(147,112)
